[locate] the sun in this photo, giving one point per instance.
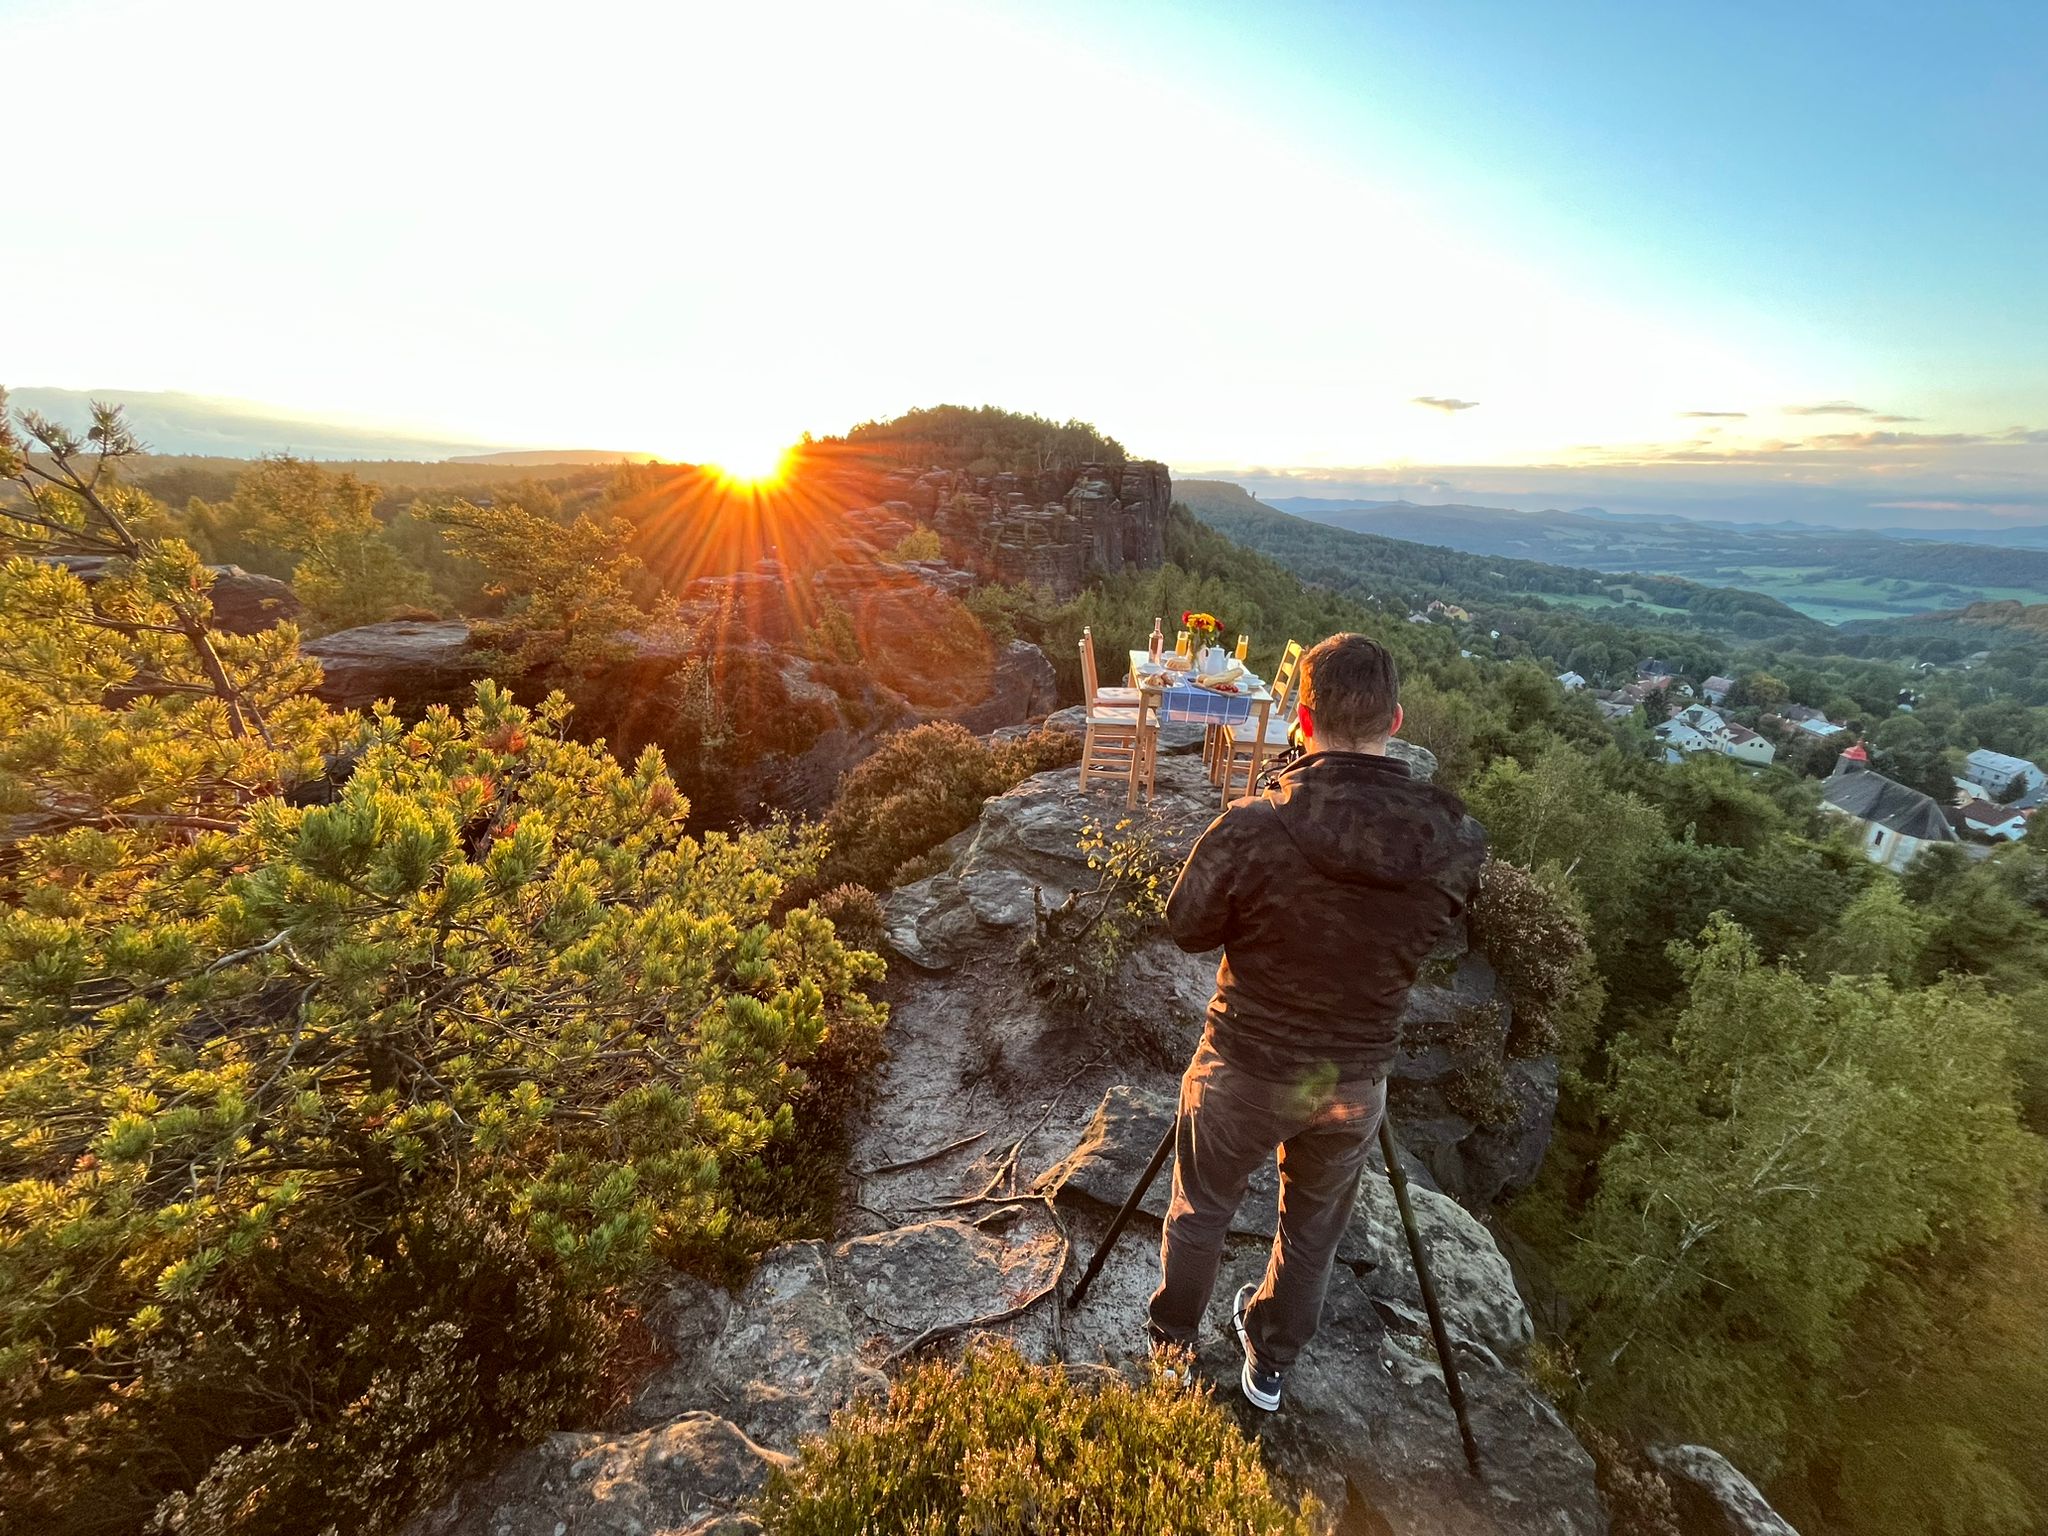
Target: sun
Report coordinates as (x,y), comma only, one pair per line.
(759,462)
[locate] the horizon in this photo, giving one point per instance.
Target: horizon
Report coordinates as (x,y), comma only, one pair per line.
(1690,268)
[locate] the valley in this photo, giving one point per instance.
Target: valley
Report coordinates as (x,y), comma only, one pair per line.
(1830,575)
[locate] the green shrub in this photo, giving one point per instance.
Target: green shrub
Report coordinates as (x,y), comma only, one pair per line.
(321,1137)
(921,543)
(1532,930)
(918,789)
(1077,947)
(997,1444)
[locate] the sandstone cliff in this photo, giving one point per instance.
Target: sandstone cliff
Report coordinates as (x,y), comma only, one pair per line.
(1054,529)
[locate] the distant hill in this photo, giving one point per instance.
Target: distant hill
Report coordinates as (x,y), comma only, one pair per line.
(1980,626)
(1832,575)
(1412,572)
(203,425)
(555,456)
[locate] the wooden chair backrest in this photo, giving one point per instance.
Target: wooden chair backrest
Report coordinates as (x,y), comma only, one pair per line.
(1284,674)
(1087,667)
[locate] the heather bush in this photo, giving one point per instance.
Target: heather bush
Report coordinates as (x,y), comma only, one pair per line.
(995,1443)
(918,789)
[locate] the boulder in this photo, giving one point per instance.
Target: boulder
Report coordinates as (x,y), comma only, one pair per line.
(244,602)
(417,662)
(692,1476)
(1021,687)
(1713,1498)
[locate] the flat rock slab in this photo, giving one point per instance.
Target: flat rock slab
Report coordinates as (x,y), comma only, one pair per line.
(816,1324)
(693,1476)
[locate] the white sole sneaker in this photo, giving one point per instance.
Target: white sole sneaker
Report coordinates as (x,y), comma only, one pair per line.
(1261,1388)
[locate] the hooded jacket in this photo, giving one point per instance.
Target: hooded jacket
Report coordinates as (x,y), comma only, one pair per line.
(1328,892)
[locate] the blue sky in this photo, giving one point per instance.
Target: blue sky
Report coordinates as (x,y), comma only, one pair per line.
(1500,252)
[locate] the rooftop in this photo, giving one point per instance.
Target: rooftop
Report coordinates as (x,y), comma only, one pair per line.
(1869,796)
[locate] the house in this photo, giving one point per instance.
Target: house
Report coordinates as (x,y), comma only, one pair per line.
(1987,819)
(1745,746)
(1571,682)
(1820,728)
(1997,772)
(1661,671)
(1418,618)
(1680,740)
(1894,823)
(1717,689)
(1450,611)
(1614,706)
(1696,728)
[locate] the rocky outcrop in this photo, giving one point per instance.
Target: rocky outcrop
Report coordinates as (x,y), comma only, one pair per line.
(244,602)
(817,721)
(1714,1499)
(1054,529)
(693,1476)
(1003,1133)
(1477,1120)
(1021,687)
(416,662)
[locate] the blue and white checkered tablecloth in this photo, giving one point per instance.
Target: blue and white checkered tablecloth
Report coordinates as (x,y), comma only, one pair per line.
(1204,706)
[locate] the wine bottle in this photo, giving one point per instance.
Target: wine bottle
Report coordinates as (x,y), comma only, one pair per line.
(1158,645)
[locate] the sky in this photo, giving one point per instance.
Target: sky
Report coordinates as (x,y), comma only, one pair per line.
(1745,259)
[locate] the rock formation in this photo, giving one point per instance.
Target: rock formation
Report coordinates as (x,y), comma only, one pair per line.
(1713,1498)
(243,601)
(1003,1134)
(1053,530)
(924,658)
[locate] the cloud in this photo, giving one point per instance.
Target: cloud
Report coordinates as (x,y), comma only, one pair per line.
(1715,415)
(1444,403)
(1898,418)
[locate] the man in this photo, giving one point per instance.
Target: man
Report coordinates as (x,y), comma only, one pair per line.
(1327,891)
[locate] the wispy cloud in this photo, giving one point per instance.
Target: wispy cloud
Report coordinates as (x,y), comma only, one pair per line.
(1444,403)
(1715,415)
(1844,408)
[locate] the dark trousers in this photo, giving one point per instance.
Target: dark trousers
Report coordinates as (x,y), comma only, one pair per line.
(1230,1124)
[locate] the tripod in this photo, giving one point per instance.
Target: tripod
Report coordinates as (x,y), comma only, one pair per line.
(1416,1253)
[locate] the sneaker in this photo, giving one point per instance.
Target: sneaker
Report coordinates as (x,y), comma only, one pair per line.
(1261,1388)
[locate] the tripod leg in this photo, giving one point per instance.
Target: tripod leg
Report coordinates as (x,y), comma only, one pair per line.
(1123,1217)
(1452,1386)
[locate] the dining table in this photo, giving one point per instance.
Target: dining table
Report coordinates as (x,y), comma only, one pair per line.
(1167,693)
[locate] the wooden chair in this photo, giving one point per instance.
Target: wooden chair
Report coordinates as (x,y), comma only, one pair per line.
(1116,697)
(1242,750)
(1109,742)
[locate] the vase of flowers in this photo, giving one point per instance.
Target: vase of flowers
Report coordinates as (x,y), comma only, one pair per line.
(1204,631)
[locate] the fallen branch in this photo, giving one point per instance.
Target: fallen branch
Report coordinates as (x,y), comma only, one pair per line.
(921,1160)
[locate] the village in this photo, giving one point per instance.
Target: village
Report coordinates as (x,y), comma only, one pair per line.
(1993,799)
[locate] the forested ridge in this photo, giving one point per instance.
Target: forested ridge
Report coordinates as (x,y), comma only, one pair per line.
(364,1073)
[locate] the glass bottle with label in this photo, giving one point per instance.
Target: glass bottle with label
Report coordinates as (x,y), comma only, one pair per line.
(1158,642)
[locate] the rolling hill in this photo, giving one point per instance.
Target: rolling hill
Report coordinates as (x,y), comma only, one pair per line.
(1413,571)
(1827,574)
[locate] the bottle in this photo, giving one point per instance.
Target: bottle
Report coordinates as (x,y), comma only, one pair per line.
(1180,646)
(1244,643)
(1158,644)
